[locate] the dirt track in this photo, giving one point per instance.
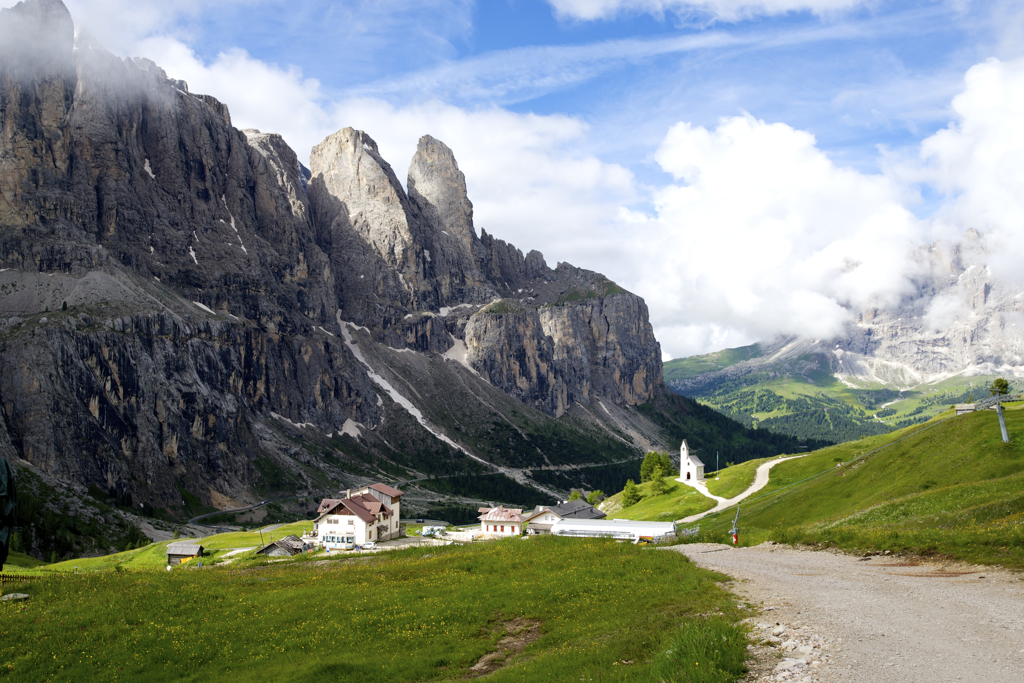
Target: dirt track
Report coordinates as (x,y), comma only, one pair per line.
(886,618)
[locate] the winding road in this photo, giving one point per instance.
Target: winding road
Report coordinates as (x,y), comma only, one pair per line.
(760,481)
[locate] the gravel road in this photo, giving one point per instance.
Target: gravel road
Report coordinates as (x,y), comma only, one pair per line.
(841,618)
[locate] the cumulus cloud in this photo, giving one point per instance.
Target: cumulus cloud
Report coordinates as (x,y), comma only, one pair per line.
(727,10)
(763,234)
(978,163)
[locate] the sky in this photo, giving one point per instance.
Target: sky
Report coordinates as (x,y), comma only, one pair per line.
(748,167)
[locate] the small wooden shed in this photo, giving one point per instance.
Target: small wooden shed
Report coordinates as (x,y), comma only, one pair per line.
(182,552)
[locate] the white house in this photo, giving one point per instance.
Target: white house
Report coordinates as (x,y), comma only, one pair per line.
(501,521)
(690,467)
(369,514)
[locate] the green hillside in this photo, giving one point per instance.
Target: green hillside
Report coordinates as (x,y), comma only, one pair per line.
(682,368)
(948,487)
(801,397)
(709,431)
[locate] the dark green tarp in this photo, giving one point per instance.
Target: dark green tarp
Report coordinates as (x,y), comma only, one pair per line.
(7,501)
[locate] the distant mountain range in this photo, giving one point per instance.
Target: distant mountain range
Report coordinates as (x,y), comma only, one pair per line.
(891,368)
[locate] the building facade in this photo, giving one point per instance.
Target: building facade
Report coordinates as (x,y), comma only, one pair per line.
(691,469)
(371,513)
(501,521)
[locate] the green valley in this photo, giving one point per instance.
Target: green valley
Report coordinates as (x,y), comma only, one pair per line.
(802,396)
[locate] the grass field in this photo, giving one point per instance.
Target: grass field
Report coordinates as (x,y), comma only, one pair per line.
(948,487)
(569,609)
(20,561)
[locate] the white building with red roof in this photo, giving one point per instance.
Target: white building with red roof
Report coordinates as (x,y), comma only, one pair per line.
(501,521)
(371,513)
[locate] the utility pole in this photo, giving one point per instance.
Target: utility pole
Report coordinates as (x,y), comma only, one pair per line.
(716,466)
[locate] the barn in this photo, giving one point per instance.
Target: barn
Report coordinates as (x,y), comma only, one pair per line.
(183,552)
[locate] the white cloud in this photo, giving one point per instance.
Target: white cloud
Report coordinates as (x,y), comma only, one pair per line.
(978,163)
(258,95)
(763,234)
(728,10)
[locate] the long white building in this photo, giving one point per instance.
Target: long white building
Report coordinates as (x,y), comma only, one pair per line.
(620,529)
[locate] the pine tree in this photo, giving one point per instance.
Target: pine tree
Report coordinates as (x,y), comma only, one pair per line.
(630,494)
(657,481)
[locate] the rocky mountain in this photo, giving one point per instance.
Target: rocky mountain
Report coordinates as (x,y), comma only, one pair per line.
(941,344)
(188,320)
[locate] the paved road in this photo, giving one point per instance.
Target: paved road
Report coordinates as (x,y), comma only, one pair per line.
(889,619)
(760,481)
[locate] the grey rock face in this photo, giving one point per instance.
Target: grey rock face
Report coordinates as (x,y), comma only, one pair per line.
(508,345)
(171,285)
(437,194)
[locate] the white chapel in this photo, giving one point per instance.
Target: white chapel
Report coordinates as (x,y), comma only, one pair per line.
(690,467)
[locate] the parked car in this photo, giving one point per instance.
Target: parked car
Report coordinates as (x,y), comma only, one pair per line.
(369,545)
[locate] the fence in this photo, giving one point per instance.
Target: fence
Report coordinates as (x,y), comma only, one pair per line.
(15,578)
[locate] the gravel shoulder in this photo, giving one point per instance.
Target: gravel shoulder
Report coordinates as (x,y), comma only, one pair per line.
(830,617)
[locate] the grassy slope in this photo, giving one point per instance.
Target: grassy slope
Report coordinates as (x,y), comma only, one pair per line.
(950,487)
(678,501)
(733,481)
(16,561)
(682,368)
(410,615)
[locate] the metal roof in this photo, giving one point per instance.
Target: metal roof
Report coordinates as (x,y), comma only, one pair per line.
(613,525)
(577,509)
(387,490)
(184,549)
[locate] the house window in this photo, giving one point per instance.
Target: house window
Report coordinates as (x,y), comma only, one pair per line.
(502,528)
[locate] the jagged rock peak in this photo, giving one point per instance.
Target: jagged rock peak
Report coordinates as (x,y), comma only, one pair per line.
(352,187)
(438,189)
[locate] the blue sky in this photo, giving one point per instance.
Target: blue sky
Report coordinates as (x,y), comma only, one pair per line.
(728,160)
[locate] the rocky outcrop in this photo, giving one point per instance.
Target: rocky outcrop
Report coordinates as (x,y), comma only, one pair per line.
(508,345)
(174,292)
(437,194)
